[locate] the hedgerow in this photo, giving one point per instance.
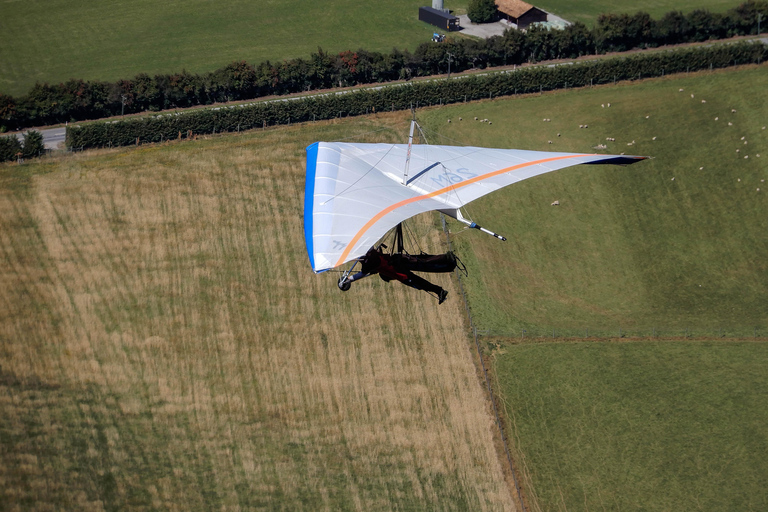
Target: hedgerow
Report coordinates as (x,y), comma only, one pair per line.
(181,125)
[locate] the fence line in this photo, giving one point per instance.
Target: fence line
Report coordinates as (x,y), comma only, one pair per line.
(485,374)
(622,332)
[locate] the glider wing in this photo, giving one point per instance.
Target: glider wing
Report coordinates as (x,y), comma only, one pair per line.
(355,193)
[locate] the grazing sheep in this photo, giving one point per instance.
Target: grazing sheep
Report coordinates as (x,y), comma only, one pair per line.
(743,138)
(603,105)
(703,101)
(549,142)
(681,90)
(730,123)
(475,118)
(558,134)
(609,104)
(701,168)
(746,156)
(654,138)
(673,179)
(647,117)
(557,203)
(691,95)
(449,120)
(733,110)
(717,118)
(460,119)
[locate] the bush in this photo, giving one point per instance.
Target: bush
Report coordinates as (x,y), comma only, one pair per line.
(33,144)
(482,11)
(10,146)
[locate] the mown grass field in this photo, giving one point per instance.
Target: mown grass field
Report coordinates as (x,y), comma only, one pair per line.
(669,244)
(53,41)
(165,345)
(657,426)
(672,244)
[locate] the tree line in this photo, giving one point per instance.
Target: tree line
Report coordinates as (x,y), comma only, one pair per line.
(77,100)
(530,79)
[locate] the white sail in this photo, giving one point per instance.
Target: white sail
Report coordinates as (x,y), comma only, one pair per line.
(355,193)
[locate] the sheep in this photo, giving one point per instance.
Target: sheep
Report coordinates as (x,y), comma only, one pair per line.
(475,118)
(730,123)
(681,90)
(449,120)
(557,203)
(460,119)
(654,138)
(549,142)
(703,101)
(691,95)
(717,118)
(647,117)
(733,110)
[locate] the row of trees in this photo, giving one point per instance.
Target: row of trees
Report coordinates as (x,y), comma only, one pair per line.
(190,123)
(77,100)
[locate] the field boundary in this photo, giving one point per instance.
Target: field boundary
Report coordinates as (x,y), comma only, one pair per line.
(480,356)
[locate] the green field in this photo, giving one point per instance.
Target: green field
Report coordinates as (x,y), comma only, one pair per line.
(164,343)
(53,41)
(57,40)
(670,244)
(653,426)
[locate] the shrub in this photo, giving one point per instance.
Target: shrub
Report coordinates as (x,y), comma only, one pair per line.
(482,11)
(10,146)
(33,144)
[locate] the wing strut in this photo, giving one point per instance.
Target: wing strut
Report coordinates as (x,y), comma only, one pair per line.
(456,214)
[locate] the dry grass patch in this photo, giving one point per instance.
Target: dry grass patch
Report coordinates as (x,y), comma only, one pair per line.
(164,344)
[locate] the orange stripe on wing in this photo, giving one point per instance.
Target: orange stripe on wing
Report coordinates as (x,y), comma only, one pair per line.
(443,190)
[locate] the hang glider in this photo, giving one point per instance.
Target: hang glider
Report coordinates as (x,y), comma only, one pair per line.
(355,193)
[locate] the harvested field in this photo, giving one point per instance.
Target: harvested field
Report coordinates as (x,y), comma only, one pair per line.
(164,344)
